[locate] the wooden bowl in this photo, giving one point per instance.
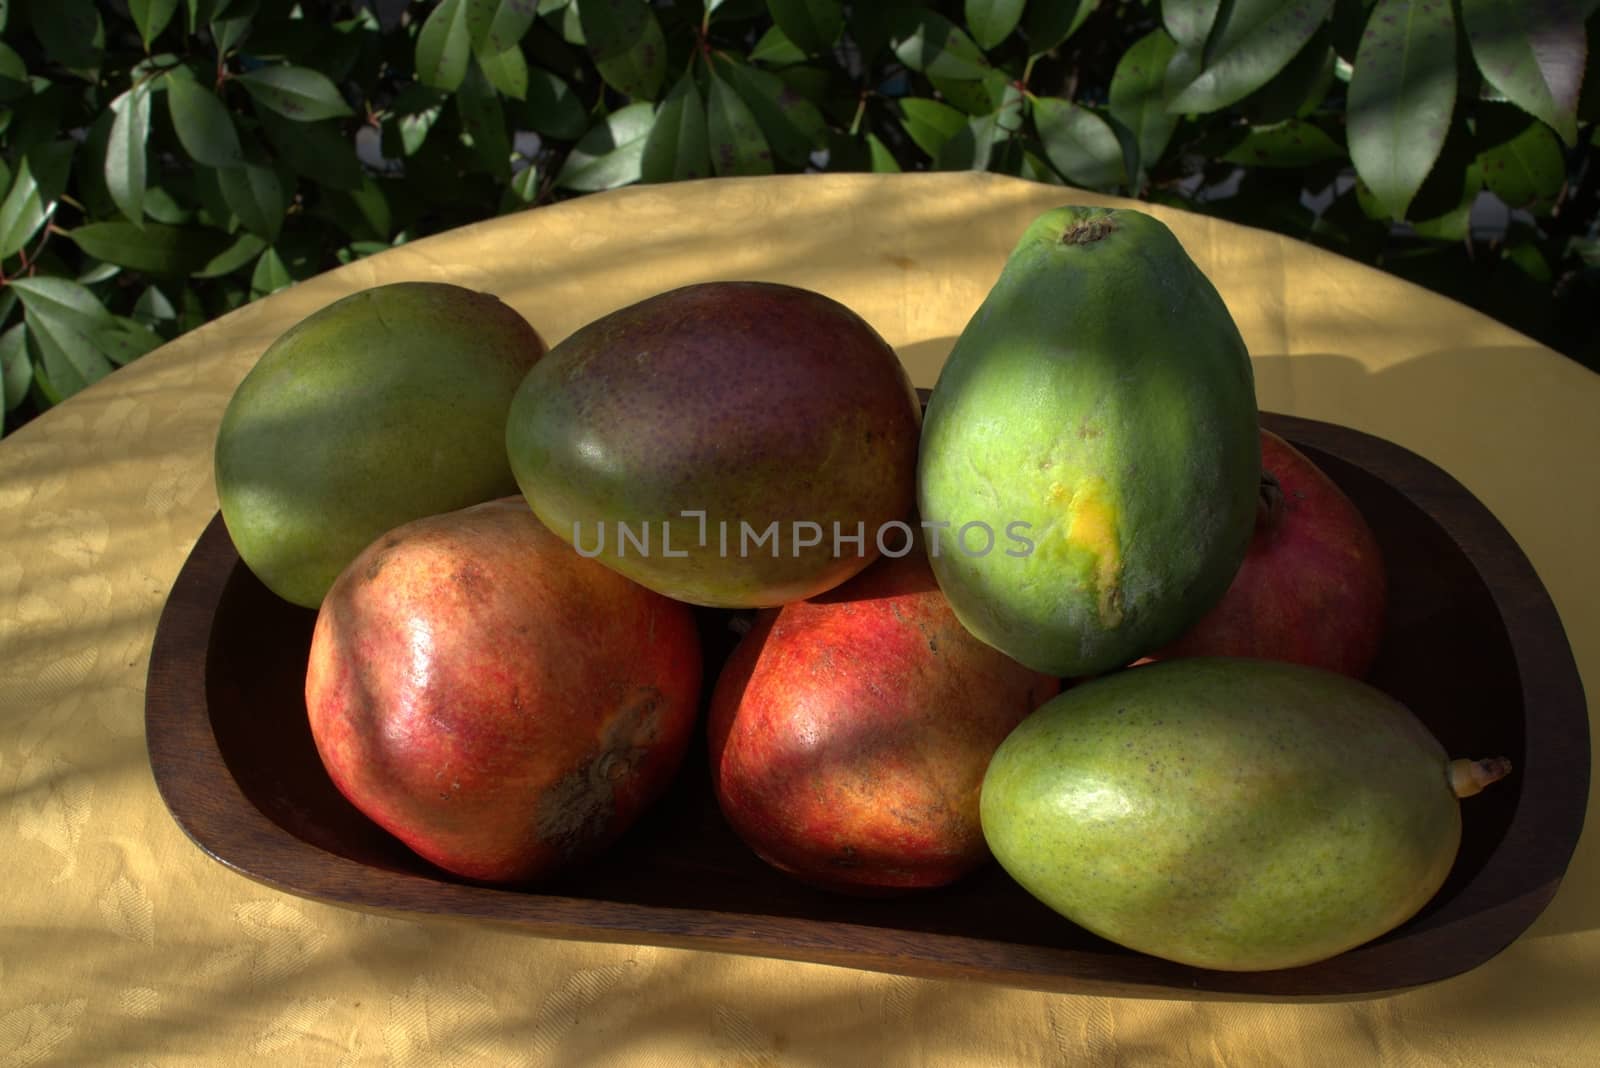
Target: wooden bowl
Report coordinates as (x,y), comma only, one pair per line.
(1473,645)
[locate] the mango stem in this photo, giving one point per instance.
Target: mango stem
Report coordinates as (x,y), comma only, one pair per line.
(1269,502)
(1468,777)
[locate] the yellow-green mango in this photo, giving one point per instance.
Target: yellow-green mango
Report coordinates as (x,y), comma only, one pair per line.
(1090,458)
(1227,813)
(383,407)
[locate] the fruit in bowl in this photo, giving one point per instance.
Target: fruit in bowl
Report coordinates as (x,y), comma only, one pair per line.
(501,705)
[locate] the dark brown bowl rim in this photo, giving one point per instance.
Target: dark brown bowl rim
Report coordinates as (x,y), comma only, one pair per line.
(1489,912)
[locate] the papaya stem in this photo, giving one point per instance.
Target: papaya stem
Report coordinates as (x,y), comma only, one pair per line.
(1468,777)
(1087,231)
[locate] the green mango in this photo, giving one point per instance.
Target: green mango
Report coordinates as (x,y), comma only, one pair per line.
(1228,813)
(383,407)
(1090,458)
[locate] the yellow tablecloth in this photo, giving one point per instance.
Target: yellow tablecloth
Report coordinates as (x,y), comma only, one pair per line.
(121,943)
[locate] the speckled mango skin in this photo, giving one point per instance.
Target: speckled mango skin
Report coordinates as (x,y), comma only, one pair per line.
(752,402)
(383,407)
(1234,814)
(1102,396)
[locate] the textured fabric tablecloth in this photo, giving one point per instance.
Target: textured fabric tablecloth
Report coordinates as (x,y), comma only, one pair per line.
(121,943)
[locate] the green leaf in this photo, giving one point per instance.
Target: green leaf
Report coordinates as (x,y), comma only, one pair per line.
(41,179)
(1401,97)
(883,161)
(737,143)
(162,206)
(812,25)
(1533,51)
(1292,143)
(245,248)
(1454,224)
(372,206)
(412,115)
(229,33)
(126,340)
(70,360)
(14,84)
(553,109)
(610,154)
(153,248)
(775,49)
(1079,143)
(626,42)
(298,93)
(125,151)
(1136,94)
(443,46)
(678,146)
(254,194)
(1048,24)
(498,25)
(928,42)
(151,16)
(98,272)
(1252,42)
(1190,21)
(269,276)
(63,300)
(1521,159)
(507,71)
(972,146)
(71,32)
(991,21)
(202,123)
(979,97)
(791,124)
(1299,88)
(153,307)
(320,151)
(16,370)
(931,123)
(484,123)
(525,184)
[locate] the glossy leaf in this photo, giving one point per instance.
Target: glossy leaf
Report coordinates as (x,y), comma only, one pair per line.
(16,370)
(931,123)
(372,207)
(484,123)
(151,17)
(1190,21)
(525,184)
(1522,161)
(202,123)
(443,46)
(1298,89)
(813,25)
(980,97)
(928,42)
(791,124)
(1533,52)
(776,49)
(125,151)
(153,307)
(14,83)
(1137,94)
(552,108)
(499,25)
(1079,143)
(1456,223)
(255,195)
(610,154)
(126,340)
(1048,24)
(882,160)
(41,178)
(1256,40)
(626,42)
(153,248)
(68,359)
(991,21)
(507,71)
(269,276)
(70,31)
(1401,98)
(678,146)
(298,93)
(738,146)
(320,151)
(1292,143)
(244,248)
(972,147)
(230,33)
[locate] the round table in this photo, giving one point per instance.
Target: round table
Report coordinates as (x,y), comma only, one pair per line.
(123,943)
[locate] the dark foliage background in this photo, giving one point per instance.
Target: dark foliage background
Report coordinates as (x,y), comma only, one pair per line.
(163,161)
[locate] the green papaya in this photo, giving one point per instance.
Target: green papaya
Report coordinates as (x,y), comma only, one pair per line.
(1226,813)
(1089,462)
